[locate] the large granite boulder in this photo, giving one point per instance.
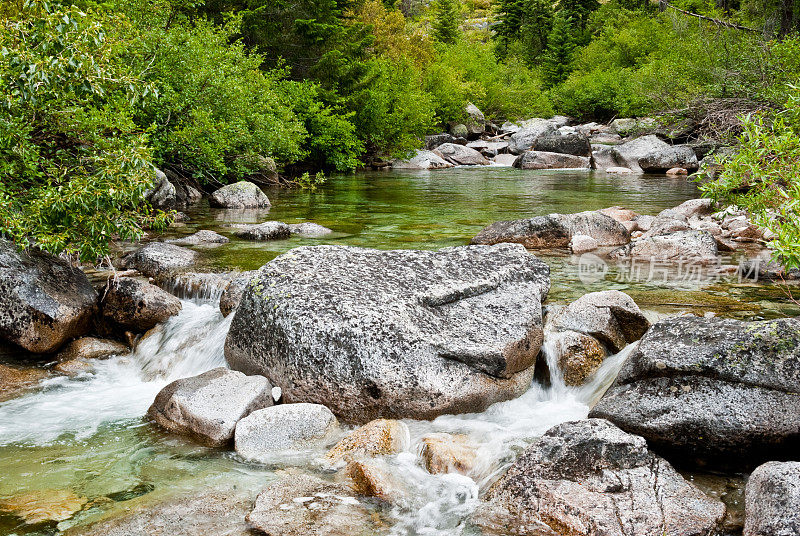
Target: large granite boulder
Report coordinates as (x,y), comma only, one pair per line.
(550,160)
(772,500)
(555,231)
(712,391)
(240,194)
(422,160)
(208,406)
(589,477)
(44,300)
(372,333)
(689,245)
(476,122)
(461,155)
(160,260)
(303,505)
(136,304)
(523,139)
(574,143)
(168,195)
(232,295)
(676,156)
(629,153)
(269,230)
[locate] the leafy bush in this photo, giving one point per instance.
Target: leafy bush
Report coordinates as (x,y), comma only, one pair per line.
(74,167)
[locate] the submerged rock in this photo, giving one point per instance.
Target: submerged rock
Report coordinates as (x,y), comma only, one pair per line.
(208,406)
(555,231)
(590,477)
(422,160)
(772,500)
(712,391)
(376,438)
(283,427)
(160,260)
(301,505)
(91,348)
(697,246)
(15,380)
(136,304)
(44,300)
(241,194)
(269,230)
(43,505)
(308,229)
(403,333)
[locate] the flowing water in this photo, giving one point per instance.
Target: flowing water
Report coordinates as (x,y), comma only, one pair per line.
(86,434)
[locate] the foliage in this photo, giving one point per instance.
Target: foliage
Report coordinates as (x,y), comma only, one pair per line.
(445,22)
(311,182)
(523,27)
(763,177)
(557,59)
(74,167)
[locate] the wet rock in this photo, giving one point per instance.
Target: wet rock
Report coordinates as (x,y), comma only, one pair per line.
(44,300)
(579,355)
(422,160)
(136,304)
(160,260)
(376,438)
(232,295)
(43,505)
(772,500)
(712,391)
(461,155)
(240,194)
(619,170)
(269,230)
(590,477)
(448,453)
(16,380)
(697,246)
(91,348)
(523,139)
(197,285)
(401,333)
(476,122)
(301,505)
(610,316)
(555,230)
(202,513)
(506,160)
(371,480)
(200,237)
(283,427)
(677,172)
(574,144)
(308,229)
(676,156)
(582,243)
(547,160)
(628,154)
(208,406)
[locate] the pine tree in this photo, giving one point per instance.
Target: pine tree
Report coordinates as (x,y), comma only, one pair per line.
(560,48)
(525,21)
(445,22)
(579,12)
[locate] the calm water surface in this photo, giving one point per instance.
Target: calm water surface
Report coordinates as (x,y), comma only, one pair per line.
(86,433)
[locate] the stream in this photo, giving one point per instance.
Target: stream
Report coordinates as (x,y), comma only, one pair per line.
(85,433)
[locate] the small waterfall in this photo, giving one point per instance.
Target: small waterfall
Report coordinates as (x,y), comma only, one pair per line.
(122,387)
(198,287)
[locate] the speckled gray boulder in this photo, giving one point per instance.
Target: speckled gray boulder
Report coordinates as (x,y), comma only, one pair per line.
(772,500)
(610,316)
(461,155)
(308,229)
(550,160)
(590,477)
(677,156)
(203,236)
(283,427)
(269,230)
(422,160)
(575,144)
(44,300)
(524,138)
(208,406)
(697,246)
(712,391)
(555,230)
(240,194)
(136,304)
(629,153)
(403,333)
(160,260)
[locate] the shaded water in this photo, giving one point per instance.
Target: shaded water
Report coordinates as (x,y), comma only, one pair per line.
(86,433)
